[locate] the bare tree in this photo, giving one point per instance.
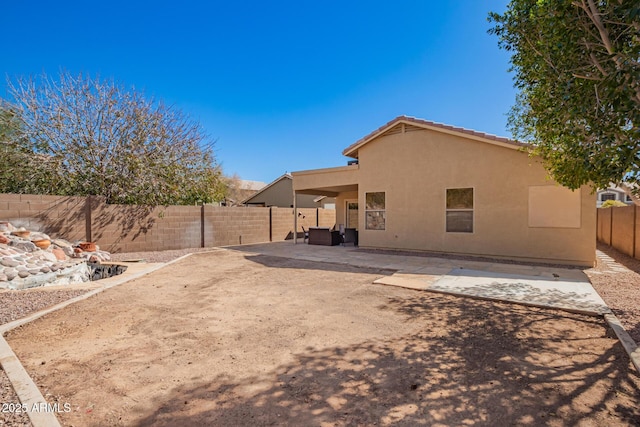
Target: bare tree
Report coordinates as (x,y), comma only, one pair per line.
(88,136)
(235,192)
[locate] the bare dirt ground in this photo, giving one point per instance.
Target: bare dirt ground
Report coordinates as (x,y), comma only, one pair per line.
(229,339)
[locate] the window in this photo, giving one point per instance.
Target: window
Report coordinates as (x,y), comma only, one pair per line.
(607,196)
(459,210)
(375,214)
(628,198)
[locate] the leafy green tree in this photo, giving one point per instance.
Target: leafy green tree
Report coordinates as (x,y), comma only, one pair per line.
(86,136)
(19,170)
(576,67)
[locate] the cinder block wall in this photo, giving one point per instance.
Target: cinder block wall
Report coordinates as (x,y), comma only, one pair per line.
(281,224)
(127,228)
(327,218)
(53,215)
(235,226)
(309,218)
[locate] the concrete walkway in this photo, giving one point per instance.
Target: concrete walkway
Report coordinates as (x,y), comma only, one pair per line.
(536,285)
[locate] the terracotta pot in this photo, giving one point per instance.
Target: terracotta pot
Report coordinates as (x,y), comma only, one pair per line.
(42,244)
(23,234)
(87,246)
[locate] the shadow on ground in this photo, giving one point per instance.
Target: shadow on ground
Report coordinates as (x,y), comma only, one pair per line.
(503,366)
(281,262)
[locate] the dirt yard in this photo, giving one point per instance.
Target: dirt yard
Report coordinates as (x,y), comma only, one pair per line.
(224,338)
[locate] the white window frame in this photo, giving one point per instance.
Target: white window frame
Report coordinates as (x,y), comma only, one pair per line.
(472,210)
(367,211)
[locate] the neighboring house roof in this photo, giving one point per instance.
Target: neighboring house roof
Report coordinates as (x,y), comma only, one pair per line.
(413,123)
(271,184)
(244,184)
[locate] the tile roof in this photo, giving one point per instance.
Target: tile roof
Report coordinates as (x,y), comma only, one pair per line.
(430,125)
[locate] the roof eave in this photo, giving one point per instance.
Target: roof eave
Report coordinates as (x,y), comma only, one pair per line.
(352,150)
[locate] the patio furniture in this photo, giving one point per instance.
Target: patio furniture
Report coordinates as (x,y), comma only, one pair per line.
(350,236)
(324,236)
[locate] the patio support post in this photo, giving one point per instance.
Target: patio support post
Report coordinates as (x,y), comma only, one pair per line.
(295,218)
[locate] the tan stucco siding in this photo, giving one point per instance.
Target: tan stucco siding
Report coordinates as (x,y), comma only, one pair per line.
(414,170)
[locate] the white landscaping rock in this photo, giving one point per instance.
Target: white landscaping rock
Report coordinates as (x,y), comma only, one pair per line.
(24,265)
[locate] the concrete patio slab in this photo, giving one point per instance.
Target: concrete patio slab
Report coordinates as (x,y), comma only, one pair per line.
(531,284)
(566,294)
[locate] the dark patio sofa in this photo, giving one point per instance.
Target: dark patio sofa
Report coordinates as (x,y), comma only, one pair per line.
(324,236)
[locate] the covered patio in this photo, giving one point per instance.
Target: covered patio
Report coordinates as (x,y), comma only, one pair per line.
(340,182)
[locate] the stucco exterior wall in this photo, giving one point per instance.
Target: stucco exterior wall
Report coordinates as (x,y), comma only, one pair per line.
(415,168)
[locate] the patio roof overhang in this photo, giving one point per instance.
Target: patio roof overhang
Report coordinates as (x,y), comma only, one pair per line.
(326,182)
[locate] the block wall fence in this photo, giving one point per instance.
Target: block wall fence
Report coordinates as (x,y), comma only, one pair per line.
(130,228)
(619,227)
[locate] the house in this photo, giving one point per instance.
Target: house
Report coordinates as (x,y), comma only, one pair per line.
(425,186)
(613,193)
(280,193)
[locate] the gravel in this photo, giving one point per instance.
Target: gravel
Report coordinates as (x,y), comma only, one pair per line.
(616,278)
(18,304)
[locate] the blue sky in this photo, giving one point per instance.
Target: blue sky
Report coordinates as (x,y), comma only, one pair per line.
(280,85)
